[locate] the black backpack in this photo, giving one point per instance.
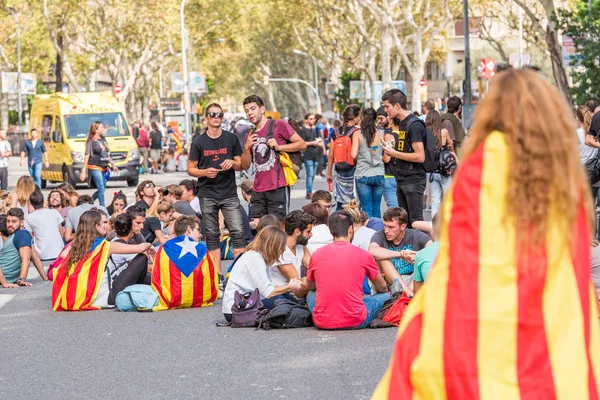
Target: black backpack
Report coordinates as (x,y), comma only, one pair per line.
(284,315)
(439,160)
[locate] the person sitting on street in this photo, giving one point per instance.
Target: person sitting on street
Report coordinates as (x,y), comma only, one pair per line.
(189,195)
(336,274)
(322,198)
(320,231)
(156,226)
(138,218)
(46,228)
(298,227)
(251,271)
(118,204)
(395,247)
(84,203)
(58,202)
(124,233)
(148,195)
(169,161)
(69,192)
(16,252)
(172,194)
(184,274)
(87,257)
(425,258)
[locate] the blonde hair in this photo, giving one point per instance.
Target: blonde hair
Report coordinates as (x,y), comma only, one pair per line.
(584,116)
(25,186)
(4,201)
(354,211)
(270,243)
(545,174)
(164,207)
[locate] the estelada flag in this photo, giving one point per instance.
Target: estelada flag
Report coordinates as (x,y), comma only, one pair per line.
(184,275)
(486,326)
(78,290)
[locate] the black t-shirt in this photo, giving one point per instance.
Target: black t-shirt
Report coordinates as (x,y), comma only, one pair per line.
(309,135)
(413,240)
(151,224)
(595,126)
(98,152)
(156,138)
(404,169)
(210,153)
(142,204)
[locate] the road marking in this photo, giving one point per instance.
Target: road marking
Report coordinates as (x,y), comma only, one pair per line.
(5,298)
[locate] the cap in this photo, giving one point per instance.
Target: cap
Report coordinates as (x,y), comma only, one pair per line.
(381,111)
(246,186)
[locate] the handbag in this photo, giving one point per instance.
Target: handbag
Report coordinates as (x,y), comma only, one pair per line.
(246,309)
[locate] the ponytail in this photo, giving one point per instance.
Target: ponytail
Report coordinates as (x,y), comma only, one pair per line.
(584,116)
(367,125)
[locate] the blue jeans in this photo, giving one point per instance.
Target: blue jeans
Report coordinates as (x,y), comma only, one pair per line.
(370,191)
(310,167)
(99,178)
(35,171)
(372,303)
(389,193)
(439,187)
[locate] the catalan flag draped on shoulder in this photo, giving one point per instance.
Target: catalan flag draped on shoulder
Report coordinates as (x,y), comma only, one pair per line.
(485,326)
(184,275)
(77,290)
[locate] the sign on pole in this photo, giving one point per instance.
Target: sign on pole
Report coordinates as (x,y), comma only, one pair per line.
(197,83)
(488,68)
(570,56)
(118,89)
(10,80)
(177,84)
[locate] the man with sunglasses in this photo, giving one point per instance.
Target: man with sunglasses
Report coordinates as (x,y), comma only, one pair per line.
(214,158)
(148,193)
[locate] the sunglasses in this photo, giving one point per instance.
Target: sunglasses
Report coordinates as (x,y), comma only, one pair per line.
(215,115)
(150,185)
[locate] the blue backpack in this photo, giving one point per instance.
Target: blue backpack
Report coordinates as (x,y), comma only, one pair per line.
(136,298)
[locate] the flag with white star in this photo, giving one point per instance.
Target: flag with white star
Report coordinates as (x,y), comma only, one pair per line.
(184,275)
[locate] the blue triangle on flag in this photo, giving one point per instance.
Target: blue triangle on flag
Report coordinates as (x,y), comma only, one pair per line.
(185,254)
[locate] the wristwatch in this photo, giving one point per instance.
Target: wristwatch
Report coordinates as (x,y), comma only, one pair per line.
(22,280)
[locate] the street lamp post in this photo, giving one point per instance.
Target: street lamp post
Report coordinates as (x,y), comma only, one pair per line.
(186,85)
(315,76)
(467,89)
(11,10)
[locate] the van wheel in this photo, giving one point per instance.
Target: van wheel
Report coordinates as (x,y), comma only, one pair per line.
(44,183)
(67,179)
(133,182)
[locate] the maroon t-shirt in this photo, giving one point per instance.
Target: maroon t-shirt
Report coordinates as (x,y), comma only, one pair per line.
(265,158)
(339,303)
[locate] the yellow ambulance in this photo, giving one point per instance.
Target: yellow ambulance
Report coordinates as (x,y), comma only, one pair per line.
(63,121)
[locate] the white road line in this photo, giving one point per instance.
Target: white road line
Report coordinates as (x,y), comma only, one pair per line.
(5,298)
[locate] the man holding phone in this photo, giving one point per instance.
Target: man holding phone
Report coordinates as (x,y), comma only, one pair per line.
(214,158)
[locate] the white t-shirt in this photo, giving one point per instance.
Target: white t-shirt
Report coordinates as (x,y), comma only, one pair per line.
(182,163)
(321,236)
(43,224)
(362,237)
(4,147)
(585,152)
(288,257)
(195,203)
(249,273)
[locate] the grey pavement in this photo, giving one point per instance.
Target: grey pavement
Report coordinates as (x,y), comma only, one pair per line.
(177,354)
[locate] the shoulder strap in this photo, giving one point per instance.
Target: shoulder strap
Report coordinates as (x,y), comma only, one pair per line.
(351,131)
(270,129)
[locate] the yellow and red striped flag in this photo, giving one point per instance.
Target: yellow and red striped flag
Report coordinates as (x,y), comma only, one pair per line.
(77,291)
(184,275)
(491,323)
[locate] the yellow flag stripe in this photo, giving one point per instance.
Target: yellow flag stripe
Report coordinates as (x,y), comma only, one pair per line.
(497,280)
(594,335)
(563,320)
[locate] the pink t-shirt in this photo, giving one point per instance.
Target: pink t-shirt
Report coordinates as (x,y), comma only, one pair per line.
(265,159)
(339,303)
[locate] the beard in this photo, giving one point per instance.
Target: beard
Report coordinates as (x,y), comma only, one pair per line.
(302,240)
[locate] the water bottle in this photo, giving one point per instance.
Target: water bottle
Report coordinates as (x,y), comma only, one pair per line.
(330,184)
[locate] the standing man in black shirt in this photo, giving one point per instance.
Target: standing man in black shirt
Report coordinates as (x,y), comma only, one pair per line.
(312,137)
(214,158)
(410,154)
(155,146)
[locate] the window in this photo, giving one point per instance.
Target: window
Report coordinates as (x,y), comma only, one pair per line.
(57,125)
(78,125)
(46,128)
(474,26)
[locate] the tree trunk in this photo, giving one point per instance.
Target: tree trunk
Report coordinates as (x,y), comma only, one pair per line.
(560,75)
(3,111)
(386,68)
(58,70)
(415,98)
(372,77)
(271,98)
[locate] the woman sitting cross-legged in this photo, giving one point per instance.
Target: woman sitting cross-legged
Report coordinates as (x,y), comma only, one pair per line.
(85,279)
(250,271)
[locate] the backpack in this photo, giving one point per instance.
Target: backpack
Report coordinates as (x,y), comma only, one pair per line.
(439,160)
(392,311)
(342,150)
(136,298)
(284,315)
(286,160)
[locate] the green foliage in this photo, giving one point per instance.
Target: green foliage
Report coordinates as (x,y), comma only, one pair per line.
(585,72)
(342,96)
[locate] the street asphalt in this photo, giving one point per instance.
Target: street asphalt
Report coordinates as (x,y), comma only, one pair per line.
(177,354)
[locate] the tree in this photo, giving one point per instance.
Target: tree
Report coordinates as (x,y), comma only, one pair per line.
(577,25)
